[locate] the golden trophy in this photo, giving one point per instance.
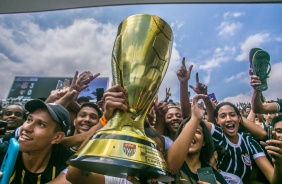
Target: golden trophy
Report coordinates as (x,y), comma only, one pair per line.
(140,58)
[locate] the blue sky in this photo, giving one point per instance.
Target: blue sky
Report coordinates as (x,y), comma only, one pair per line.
(215,38)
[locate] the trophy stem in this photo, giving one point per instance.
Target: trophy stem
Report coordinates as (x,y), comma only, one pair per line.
(121,121)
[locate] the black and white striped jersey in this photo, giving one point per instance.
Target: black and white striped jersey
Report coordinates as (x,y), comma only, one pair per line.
(241,155)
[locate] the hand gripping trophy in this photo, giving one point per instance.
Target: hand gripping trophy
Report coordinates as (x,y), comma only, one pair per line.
(140,58)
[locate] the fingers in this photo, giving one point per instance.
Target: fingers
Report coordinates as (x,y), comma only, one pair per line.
(202,182)
(132,180)
(86,77)
(95,76)
(115,99)
(201,106)
(263,143)
(167,90)
(183,62)
(74,78)
(182,71)
(156,98)
(251,72)
(202,85)
(84,87)
(116,88)
(197,78)
(198,97)
(112,105)
(111,96)
(190,68)
(278,143)
(192,87)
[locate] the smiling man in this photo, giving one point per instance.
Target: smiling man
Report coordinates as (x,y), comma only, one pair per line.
(87,117)
(41,158)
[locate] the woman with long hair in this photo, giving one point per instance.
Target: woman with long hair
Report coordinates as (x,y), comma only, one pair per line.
(243,149)
(192,148)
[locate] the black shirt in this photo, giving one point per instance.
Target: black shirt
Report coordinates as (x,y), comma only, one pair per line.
(56,164)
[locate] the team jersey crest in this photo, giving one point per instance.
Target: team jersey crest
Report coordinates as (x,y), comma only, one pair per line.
(246,159)
(129,149)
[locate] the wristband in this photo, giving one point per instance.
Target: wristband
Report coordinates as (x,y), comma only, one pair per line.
(103,120)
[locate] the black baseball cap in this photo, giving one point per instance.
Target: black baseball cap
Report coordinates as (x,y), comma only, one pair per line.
(58,113)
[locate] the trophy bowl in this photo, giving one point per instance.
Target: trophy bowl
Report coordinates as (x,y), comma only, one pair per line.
(140,58)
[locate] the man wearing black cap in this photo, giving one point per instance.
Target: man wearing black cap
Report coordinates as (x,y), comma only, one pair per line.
(41,158)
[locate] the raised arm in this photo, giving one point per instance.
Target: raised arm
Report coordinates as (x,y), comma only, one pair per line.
(203,89)
(115,98)
(257,105)
(179,149)
(256,131)
(183,76)
(274,149)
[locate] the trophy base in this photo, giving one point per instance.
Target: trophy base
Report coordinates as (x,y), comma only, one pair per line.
(121,154)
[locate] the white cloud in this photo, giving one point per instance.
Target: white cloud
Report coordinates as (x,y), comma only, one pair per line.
(227,28)
(274,82)
(170,80)
(84,45)
(178,24)
(235,77)
(252,41)
(239,98)
(228,15)
(279,39)
(207,77)
(219,56)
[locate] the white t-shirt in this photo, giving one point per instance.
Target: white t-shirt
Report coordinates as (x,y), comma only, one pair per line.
(231,178)
(168,142)
(115,180)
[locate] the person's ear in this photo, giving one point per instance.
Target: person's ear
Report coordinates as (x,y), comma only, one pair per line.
(58,137)
(215,155)
(74,121)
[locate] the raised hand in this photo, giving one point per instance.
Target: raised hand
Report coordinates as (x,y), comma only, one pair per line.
(274,149)
(160,106)
(167,94)
(114,98)
(214,103)
(255,80)
(183,74)
(81,82)
(198,110)
(200,88)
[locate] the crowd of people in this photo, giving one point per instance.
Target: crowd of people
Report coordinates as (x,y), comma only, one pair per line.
(241,143)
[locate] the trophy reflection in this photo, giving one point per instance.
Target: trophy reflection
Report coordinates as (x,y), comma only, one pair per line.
(140,58)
